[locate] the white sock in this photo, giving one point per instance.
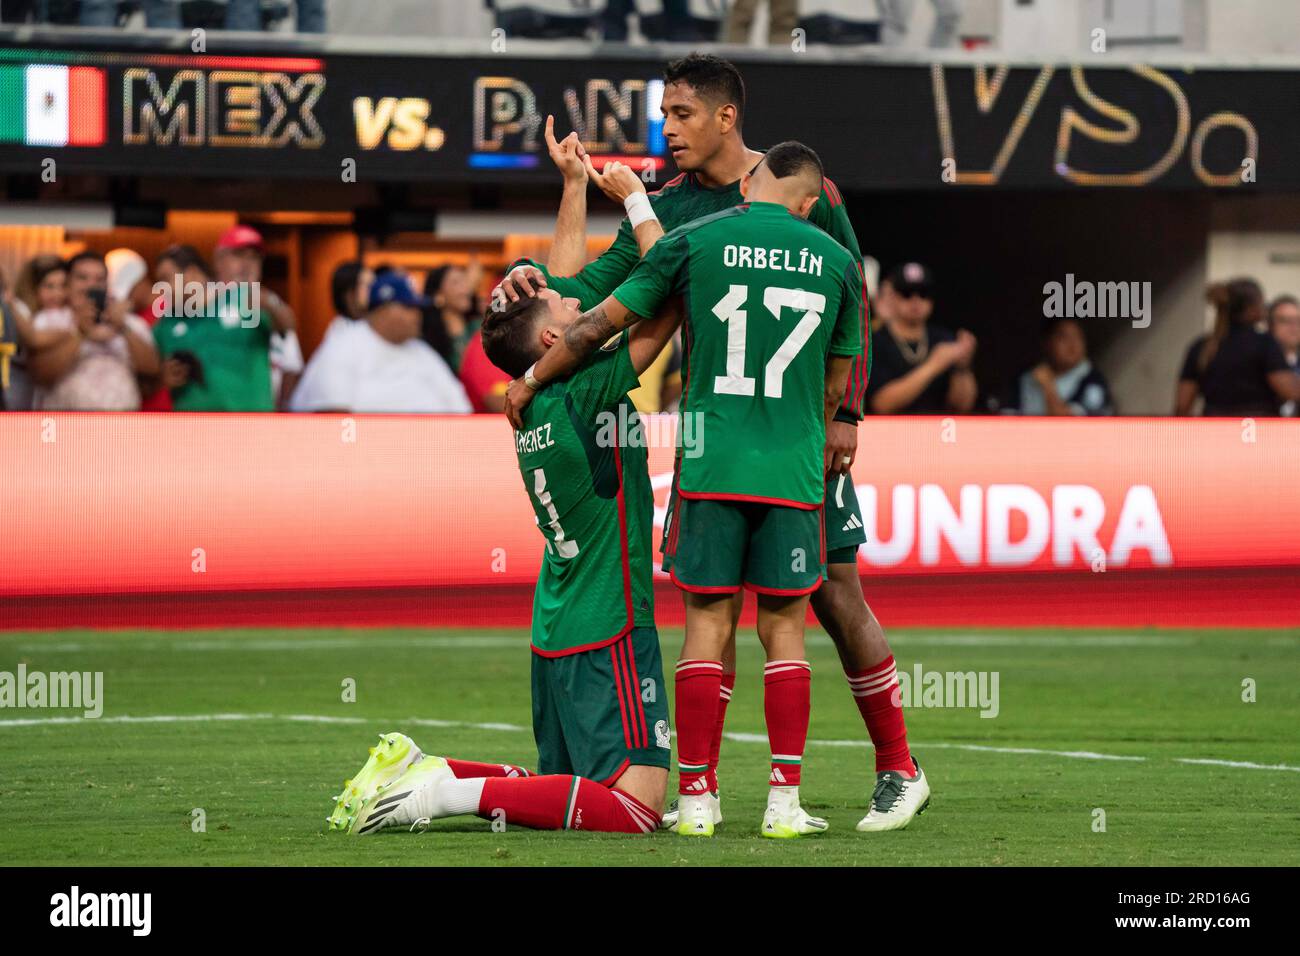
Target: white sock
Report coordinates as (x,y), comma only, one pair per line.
(460,796)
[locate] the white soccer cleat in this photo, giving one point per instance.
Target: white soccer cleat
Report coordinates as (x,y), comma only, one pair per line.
(411,799)
(785,819)
(671,815)
(896,800)
(694,816)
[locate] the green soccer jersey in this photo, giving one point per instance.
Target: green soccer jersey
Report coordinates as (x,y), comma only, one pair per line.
(584,466)
(234,357)
(768,296)
(682,200)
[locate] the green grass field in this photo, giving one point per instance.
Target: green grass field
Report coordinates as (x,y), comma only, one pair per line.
(253,730)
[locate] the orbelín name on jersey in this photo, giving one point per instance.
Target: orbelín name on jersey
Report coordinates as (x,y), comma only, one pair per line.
(778,260)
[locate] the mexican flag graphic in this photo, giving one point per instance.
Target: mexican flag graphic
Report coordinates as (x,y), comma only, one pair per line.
(45,105)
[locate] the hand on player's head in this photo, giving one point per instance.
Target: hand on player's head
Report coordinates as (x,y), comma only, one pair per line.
(522,282)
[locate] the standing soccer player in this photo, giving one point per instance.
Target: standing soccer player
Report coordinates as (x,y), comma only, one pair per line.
(774,323)
(704,107)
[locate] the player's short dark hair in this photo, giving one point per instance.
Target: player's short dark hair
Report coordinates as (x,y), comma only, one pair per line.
(510,334)
(793,158)
(713,78)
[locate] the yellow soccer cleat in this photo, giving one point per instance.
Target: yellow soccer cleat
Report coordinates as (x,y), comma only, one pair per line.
(389,759)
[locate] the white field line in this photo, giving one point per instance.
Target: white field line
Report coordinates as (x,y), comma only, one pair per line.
(493,641)
(517,728)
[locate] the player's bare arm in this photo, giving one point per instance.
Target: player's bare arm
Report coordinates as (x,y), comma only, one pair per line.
(569,244)
(651,336)
(837,379)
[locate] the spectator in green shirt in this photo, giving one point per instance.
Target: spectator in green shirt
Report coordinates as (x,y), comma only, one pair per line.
(214,359)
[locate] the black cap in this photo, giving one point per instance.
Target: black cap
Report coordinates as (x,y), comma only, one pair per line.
(909,278)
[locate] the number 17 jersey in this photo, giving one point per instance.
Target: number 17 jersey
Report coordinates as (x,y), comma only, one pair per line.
(768,297)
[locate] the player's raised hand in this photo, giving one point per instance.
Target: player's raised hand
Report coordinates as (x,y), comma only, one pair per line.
(567,154)
(616,180)
(518,395)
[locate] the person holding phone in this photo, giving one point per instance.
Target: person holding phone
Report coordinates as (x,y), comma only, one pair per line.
(97,367)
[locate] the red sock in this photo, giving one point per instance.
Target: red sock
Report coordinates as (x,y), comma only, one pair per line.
(724,698)
(787,702)
(472,768)
(562,802)
(875,691)
(699,689)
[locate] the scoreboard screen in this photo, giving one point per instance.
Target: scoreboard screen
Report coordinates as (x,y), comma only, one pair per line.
(479,118)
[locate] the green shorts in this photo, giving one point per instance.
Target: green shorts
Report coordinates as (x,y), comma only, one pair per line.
(844,528)
(843,517)
(718,547)
(597,712)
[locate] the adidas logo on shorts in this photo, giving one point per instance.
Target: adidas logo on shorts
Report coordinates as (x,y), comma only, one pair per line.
(853,523)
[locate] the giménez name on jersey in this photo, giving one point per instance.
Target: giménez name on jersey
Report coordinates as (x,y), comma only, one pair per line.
(778,260)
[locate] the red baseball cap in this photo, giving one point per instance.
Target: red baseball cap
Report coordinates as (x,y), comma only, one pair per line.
(240,237)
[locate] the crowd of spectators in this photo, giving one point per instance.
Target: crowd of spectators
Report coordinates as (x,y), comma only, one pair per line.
(112,333)
(1247,365)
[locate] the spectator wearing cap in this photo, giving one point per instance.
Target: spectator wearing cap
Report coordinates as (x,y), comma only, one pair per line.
(1065,382)
(381,364)
(213,360)
(1284,324)
(98,366)
(917,367)
(1238,369)
(238,259)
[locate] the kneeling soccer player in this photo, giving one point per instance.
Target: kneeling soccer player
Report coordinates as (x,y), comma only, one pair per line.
(600,714)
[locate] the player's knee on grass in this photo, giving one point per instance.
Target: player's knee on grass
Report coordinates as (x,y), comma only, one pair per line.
(646,784)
